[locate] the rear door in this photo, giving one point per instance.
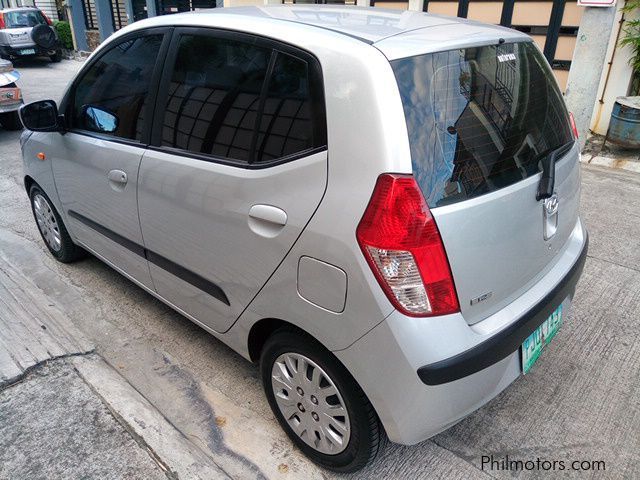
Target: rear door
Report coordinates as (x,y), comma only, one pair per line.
(481,121)
(237,167)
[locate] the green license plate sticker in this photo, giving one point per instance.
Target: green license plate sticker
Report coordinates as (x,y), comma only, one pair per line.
(28,51)
(540,338)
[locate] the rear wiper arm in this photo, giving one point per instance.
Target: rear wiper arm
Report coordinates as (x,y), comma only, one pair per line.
(548,179)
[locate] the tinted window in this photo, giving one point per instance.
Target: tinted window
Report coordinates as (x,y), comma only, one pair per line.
(213,96)
(479,119)
(23,18)
(285,127)
(117,85)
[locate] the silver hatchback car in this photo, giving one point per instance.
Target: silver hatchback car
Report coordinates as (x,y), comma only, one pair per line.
(379,207)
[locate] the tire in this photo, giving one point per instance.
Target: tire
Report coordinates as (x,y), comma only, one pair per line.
(353,446)
(57,57)
(10,121)
(52,229)
(44,36)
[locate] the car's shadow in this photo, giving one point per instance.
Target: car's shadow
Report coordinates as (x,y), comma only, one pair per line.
(32,62)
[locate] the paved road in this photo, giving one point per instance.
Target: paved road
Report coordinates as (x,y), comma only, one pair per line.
(581,402)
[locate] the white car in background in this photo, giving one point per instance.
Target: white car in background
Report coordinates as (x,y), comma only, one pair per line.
(28,32)
(10,96)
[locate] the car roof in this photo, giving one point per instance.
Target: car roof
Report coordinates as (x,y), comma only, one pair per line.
(19,9)
(395,33)
(370,25)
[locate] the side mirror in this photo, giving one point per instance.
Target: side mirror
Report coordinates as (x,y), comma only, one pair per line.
(41,116)
(99,120)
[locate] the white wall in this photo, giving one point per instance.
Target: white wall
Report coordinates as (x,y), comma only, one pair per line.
(49,8)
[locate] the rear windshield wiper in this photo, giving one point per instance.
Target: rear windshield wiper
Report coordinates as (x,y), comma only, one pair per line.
(548,179)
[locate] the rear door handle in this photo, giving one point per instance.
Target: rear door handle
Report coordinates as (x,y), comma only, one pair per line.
(267,220)
(269,213)
(117,176)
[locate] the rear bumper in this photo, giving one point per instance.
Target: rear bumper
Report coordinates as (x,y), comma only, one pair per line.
(505,342)
(16,52)
(423,375)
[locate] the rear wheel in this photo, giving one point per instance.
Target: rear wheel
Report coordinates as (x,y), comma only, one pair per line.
(318,403)
(53,231)
(10,121)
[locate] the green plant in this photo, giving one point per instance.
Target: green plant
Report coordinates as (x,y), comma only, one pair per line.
(64,34)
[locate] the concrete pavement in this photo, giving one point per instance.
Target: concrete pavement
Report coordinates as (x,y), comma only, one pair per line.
(52,425)
(580,402)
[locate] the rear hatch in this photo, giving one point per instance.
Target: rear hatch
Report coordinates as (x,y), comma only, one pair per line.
(481,123)
(18,25)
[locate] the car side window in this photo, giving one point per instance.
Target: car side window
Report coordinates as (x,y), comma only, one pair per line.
(111,96)
(286,124)
(214,96)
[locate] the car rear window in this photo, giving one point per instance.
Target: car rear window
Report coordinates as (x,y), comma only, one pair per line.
(23,18)
(479,119)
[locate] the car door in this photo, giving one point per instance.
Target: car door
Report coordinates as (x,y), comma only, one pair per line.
(96,161)
(237,166)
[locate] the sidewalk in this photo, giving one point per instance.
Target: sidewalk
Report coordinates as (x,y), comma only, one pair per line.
(51,418)
(66,413)
(610,155)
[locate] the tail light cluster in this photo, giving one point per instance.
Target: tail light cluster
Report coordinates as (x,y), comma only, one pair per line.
(574,128)
(403,247)
(2,24)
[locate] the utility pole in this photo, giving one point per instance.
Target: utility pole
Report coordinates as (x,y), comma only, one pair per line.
(589,58)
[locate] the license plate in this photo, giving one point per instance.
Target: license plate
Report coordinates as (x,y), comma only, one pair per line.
(27,51)
(540,338)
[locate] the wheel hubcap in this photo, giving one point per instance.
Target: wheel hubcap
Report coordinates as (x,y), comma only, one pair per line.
(310,403)
(47,223)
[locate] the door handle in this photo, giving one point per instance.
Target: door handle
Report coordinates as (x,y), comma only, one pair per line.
(117,180)
(267,220)
(117,176)
(269,214)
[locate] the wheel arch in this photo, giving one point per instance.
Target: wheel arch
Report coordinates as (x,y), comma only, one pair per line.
(28,183)
(262,330)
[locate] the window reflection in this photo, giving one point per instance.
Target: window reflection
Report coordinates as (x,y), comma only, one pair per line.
(214,96)
(479,118)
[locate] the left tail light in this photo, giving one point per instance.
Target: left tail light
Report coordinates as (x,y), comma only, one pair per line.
(402,244)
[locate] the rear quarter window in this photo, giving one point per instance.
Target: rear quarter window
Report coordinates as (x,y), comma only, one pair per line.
(479,119)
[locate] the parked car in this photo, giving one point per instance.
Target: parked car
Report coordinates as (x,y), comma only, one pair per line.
(10,96)
(28,32)
(378,207)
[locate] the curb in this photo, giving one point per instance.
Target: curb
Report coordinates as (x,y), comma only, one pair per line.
(615,163)
(171,449)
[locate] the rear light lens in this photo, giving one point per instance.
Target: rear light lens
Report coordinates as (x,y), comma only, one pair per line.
(49,22)
(2,24)
(573,126)
(403,247)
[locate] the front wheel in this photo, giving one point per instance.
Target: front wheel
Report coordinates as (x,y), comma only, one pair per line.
(318,404)
(10,121)
(53,231)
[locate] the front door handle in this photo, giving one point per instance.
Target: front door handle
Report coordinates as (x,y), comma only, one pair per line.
(117,176)
(267,220)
